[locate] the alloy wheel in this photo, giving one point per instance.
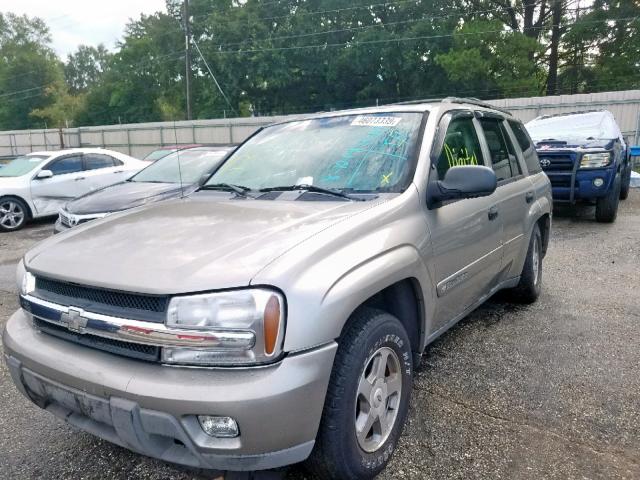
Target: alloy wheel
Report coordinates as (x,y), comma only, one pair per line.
(11,215)
(378,399)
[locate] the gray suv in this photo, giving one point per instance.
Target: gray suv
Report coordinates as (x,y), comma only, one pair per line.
(277,314)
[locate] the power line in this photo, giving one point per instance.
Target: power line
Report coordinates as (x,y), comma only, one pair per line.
(364,27)
(382,41)
(213,76)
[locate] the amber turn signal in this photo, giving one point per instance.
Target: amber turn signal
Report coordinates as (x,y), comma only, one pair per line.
(271,325)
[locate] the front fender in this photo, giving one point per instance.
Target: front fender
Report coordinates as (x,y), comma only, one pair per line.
(326,277)
(318,311)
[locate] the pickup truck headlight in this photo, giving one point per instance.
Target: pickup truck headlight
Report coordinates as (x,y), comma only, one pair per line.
(25,281)
(595,160)
(250,323)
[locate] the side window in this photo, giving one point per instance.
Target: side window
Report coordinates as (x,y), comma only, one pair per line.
(503,157)
(94,161)
(530,155)
(461,146)
(70,164)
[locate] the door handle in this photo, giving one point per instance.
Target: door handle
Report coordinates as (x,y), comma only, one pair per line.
(78,179)
(493,213)
(119,171)
(529,197)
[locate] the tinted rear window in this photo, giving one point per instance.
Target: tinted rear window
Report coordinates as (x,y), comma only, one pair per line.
(529,153)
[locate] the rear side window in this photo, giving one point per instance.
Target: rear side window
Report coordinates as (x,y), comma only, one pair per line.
(95,161)
(503,157)
(461,146)
(529,153)
(71,164)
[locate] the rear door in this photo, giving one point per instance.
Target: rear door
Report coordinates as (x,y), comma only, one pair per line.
(68,182)
(103,170)
(466,234)
(514,194)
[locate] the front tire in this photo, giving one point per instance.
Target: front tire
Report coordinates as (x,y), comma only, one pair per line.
(607,207)
(530,285)
(367,399)
(626,184)
(14,214)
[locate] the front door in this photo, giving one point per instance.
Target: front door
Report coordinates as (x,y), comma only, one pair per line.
(50,194)
(466,234)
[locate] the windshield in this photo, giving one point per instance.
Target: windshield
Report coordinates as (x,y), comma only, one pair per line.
(194,163)
(366,153)
(158,154)
(593,125)
(22,165)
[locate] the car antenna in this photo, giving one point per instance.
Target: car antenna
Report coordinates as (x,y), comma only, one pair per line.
(175,135)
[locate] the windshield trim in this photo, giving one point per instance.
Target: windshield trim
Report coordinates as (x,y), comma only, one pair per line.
(412,160)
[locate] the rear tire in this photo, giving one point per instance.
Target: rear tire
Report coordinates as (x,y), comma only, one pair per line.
(14,214)
(626,183)
(367,399)
(530,285)
(607,207)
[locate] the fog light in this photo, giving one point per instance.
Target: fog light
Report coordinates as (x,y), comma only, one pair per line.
(598,182)
(221,427)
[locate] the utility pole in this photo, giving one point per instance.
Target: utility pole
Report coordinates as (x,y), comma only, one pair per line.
(187,57)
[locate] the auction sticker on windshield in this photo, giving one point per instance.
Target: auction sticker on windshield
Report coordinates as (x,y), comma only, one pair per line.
(375,121)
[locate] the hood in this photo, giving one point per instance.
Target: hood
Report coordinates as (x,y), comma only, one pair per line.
(186,245)
(12,182)
(124,196)
(575,143)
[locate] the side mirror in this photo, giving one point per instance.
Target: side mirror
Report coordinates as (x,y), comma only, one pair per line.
(42,174)
(468,181)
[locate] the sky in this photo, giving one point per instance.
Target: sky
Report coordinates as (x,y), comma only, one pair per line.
(88,22)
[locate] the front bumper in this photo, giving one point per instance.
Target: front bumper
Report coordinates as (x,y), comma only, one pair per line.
(59,227)
(573,186)
(152,409)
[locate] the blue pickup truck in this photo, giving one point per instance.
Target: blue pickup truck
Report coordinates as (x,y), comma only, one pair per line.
(585,157)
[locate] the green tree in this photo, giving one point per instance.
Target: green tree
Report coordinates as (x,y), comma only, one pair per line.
(142,81)
(488,61)
(84,68)
(28,68)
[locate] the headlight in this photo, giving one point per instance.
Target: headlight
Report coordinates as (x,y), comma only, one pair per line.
(25,281)
(257,312)
(595,160)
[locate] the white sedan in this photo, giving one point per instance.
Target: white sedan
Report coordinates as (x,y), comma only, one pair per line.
(38,184)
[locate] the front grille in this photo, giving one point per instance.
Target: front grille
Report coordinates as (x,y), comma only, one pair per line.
(108,302)
(557,163)
(64,220)
(560,181)
(132,350)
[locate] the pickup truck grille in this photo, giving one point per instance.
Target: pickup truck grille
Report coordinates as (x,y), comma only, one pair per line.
(108,302)
(557,163)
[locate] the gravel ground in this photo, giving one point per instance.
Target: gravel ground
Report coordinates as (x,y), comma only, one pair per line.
(550,390)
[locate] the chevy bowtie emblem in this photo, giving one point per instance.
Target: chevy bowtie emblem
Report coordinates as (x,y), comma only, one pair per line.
(74,320)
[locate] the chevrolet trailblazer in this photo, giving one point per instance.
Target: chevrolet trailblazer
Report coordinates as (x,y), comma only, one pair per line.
(276,315)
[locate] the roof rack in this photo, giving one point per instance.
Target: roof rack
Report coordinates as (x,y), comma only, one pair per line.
(423,100)
(468,100)
(477,102)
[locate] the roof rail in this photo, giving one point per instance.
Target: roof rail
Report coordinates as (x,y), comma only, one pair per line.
(477,102)
(469,100)
(417,102)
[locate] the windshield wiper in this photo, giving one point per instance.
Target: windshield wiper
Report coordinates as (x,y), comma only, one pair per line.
(311,188)
(240,190)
